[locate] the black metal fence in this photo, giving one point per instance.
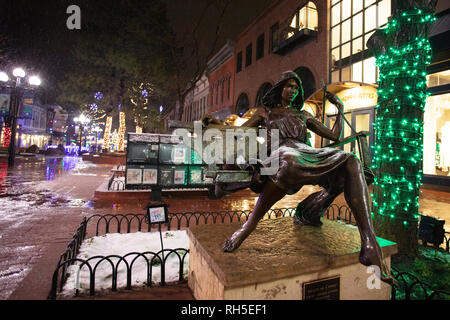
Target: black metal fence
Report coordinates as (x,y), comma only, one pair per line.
(97,225)
(128,223)
(411,287)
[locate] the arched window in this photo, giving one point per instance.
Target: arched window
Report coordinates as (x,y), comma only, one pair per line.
(261,92)
(304,18)
(308,81)
(242,104)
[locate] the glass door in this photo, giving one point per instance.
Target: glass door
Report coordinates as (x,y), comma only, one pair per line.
(362,120)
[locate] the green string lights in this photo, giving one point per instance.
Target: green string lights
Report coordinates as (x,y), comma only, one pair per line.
(398,150)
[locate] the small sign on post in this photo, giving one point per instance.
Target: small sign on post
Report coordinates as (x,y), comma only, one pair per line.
(158,214)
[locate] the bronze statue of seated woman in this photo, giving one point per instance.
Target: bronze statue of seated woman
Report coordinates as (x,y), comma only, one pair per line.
(335,170)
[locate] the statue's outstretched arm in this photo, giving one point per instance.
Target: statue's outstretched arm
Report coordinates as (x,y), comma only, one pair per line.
(319,128)
(256,120)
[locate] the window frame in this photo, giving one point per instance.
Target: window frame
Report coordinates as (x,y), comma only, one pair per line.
(249,55)
(239,62)
(341,63)
(260,46)
(274,37)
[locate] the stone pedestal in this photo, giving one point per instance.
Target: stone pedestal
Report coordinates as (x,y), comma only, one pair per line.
(280,260)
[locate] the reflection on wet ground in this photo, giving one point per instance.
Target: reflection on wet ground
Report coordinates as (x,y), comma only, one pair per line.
(21,188)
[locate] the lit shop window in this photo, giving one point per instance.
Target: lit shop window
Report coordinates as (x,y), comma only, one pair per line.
(438,79)
(352,24)
(305,18)
(436,135)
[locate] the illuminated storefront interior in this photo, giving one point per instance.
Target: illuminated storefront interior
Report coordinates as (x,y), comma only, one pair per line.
(437,127)
(27,140)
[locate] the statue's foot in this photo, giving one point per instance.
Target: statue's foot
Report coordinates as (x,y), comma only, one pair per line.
(231,244)
(219,192)
(371,255)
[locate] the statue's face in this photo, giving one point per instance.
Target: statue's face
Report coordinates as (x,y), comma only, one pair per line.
(290,92)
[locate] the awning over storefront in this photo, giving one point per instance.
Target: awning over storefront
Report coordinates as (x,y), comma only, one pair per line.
(354,95)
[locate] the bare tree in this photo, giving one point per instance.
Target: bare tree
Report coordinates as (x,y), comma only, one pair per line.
(193,42)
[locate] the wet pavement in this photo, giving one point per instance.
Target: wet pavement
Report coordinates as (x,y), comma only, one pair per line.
(44,200)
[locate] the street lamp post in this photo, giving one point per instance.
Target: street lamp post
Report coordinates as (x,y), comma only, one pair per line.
(16,97)
(97,130)
(82,121)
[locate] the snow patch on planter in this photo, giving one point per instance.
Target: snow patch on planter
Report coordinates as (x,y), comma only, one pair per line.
(121,245)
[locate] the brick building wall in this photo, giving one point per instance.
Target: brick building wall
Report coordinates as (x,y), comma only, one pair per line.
(221,91)
(311,54)
(221,71)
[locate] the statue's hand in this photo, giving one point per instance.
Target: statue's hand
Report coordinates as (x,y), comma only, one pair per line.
(334,99)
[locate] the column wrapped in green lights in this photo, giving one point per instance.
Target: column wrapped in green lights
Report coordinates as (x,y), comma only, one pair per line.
(403,52)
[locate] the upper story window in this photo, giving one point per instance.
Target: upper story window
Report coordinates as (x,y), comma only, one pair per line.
(217,92)
(352,24)
(248,55)
(296,29)
(305,18)
(273,37)
(228,86)
(260,47)
(239,62)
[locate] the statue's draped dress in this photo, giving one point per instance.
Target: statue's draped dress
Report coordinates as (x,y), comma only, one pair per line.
(300,164)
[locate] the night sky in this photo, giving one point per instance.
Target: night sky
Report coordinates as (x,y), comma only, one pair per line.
(34,34)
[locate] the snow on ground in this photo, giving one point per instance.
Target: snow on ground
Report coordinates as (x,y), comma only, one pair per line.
(120,245)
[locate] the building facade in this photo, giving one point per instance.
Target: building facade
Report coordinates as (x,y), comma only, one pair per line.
(57,124)
(195,103)
(289,35)
(32,126)
(221,72)
(325,41)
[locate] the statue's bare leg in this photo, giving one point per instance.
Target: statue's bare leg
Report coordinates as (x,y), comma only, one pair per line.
(357,197)
(270,195)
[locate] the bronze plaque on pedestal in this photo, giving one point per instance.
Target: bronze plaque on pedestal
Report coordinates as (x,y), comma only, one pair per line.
(324,289)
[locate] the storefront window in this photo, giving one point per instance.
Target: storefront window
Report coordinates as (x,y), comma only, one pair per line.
(436,152)
(439,78)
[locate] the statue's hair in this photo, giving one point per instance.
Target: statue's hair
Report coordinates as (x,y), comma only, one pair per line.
(273,97)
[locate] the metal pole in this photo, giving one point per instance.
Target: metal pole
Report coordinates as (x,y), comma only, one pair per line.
(15,112)
(163,262)
(81,138)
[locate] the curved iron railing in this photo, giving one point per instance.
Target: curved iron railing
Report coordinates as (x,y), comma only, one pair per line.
(116,185)
(128,261)
(104,224)
(410,287)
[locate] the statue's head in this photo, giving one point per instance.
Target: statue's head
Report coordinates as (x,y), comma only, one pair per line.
(273,97)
